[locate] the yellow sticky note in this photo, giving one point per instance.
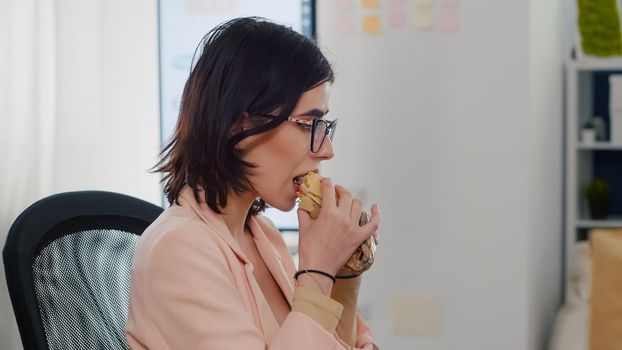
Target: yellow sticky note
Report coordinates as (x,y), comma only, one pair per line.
(371,24)
(416,316)
(371,4)
(451,3)
(423,2)
(422,20)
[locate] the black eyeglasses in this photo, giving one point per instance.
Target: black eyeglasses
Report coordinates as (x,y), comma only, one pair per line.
(320,128)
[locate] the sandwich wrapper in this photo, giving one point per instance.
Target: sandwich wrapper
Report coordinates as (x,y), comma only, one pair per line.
(310,199)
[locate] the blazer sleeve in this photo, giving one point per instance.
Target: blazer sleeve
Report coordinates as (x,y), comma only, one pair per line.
(192,301)
(351,326)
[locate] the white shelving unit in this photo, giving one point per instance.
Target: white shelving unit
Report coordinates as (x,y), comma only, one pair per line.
(579,156)
(596,64)
(609,223)
(599,146)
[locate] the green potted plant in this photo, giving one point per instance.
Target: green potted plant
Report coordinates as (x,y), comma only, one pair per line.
(599,26)
(597,194)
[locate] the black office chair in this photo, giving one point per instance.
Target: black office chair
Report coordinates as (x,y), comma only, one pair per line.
(67,261)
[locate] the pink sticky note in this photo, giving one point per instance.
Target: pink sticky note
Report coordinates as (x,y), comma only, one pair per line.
(344,25)
(449,21)
(344,5)
(397,19)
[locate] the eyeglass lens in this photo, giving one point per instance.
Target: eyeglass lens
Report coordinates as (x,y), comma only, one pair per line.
(318,135)
(320,130)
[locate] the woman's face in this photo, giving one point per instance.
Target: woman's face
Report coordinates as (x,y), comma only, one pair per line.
(284,153)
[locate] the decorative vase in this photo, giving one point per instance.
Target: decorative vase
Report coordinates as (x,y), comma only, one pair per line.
(588,136)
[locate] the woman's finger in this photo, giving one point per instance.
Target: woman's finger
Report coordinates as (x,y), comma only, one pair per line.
(328,195)
(344,199)
(356,211)
(303,218)
(373,224)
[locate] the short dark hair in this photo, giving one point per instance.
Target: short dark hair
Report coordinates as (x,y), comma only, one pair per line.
(247,66)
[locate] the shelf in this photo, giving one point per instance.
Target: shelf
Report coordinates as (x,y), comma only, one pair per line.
(590,64)
(599,146)
(584,84)
(612,222)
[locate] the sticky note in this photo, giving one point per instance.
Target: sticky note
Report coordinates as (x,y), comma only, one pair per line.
(448,21)
(450,3)
(397,19)
(422,20)
(416,316)
(371,4)
(344,5)
(423,3)
(343,25)
(371,24)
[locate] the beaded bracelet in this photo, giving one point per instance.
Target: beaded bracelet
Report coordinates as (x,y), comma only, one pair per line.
(315,271)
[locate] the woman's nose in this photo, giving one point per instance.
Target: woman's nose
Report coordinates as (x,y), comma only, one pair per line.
(327,151)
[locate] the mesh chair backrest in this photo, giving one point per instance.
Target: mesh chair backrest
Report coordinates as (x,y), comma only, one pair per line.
(67,261)
(82,282)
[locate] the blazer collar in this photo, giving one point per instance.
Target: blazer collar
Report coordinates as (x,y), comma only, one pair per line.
(211,219)
(268,252)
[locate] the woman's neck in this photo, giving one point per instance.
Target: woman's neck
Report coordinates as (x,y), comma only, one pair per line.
(236,211)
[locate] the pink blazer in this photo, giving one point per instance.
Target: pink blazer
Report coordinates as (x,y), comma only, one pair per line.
(193,288)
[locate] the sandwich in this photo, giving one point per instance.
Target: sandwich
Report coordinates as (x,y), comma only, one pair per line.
(309,191)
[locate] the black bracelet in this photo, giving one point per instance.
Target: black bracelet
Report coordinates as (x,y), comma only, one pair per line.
(345,277)
(315,271)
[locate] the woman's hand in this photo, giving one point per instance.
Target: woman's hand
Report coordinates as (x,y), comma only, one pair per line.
(328,242)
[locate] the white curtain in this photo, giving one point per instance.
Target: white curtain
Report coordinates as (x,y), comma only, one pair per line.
(27,115)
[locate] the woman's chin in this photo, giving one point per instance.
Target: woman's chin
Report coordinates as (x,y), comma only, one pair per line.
(284,206)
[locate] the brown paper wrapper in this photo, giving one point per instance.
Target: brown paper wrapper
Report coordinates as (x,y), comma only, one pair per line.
(363,256)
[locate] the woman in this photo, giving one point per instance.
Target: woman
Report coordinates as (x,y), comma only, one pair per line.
(210,272)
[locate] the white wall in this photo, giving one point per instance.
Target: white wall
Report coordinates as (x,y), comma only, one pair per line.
(108,102)
(546,49)
(569,26)
(439,129)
